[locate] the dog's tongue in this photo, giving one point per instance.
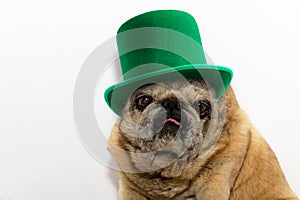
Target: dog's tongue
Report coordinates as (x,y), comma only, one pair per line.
(172,121)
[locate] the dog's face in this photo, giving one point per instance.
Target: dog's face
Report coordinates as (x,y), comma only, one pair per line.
(172,122)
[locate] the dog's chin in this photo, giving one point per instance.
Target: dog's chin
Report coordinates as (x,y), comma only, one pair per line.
(167,152)
(160,138)
(163,133)
(168,131)
(172,152)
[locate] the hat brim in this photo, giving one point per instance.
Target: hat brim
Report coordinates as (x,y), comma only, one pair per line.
(219,76)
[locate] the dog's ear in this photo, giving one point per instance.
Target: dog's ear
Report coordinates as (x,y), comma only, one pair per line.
(114,135)
(231,102)
(119,149)
(114,140)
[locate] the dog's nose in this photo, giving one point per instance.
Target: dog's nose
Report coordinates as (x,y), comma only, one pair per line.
(173,110)
(171,104)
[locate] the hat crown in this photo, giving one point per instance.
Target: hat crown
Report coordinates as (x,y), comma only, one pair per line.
(169,38)
(175,20)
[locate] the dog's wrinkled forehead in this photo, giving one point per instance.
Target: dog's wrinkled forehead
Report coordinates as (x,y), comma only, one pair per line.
(190,89)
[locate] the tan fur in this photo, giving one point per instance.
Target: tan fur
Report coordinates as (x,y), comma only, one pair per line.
(240,166)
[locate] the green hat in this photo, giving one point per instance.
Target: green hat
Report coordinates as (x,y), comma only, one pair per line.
(159,46)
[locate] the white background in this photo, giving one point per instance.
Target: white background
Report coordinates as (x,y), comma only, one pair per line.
(44,43)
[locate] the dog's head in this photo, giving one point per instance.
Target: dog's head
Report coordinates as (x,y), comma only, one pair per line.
(171,123)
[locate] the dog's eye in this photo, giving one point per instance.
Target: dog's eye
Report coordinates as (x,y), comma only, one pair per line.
(204,109)
(142,102)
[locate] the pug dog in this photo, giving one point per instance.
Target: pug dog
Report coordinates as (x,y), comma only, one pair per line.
(176,140)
